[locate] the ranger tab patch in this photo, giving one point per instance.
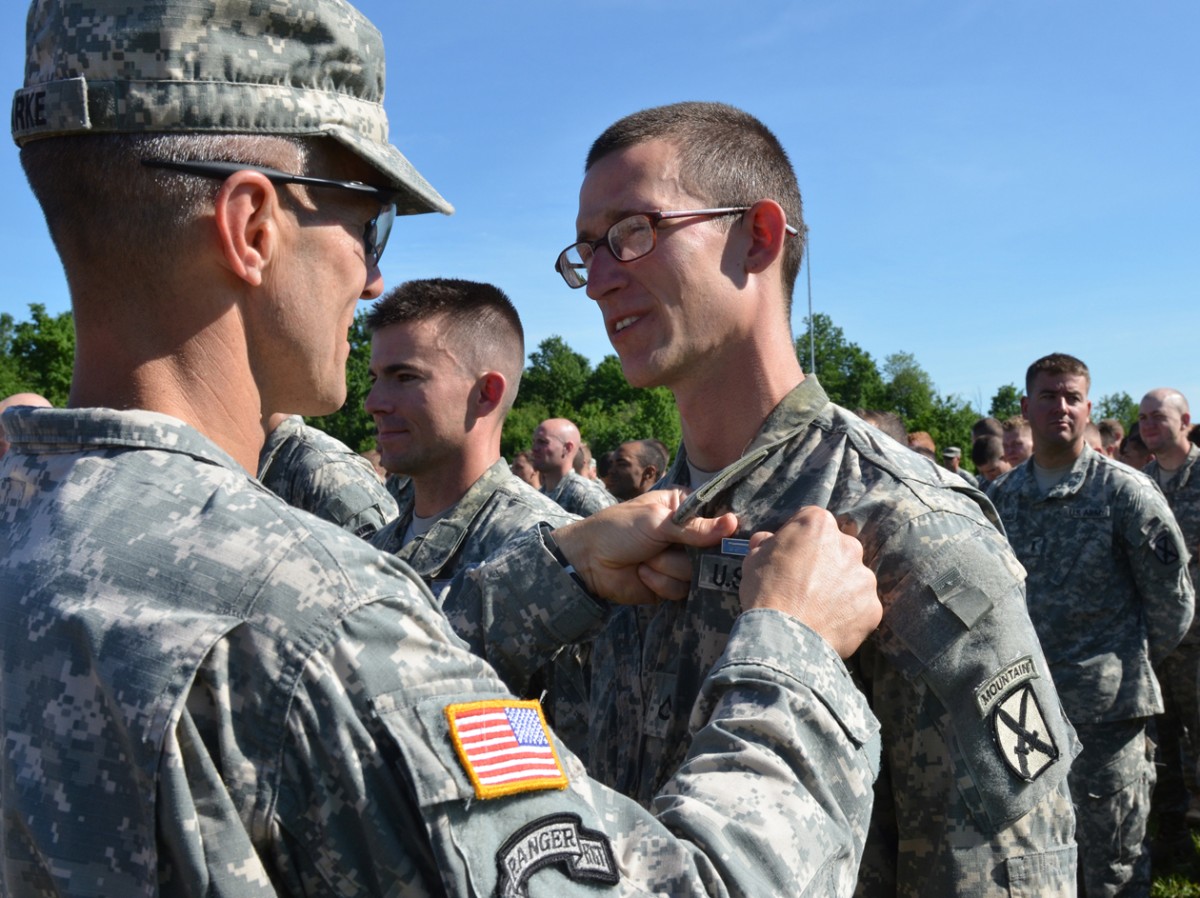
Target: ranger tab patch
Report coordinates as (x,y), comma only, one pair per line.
(1019,729)
(559,839)
(505,747)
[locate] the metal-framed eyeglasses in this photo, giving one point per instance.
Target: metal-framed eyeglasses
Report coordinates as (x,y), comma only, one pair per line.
(630,238)
(377,230)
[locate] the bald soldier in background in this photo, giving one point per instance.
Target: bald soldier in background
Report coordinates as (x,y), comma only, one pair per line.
(16,399)
(1164,420)
(206,691)
(555,445)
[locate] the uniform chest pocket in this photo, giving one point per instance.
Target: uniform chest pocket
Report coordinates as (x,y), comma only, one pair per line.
(1077,547)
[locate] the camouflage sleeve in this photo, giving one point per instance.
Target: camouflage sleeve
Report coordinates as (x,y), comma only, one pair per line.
(519,608)
(596,498)
(772,799)
(961,651)
(1158,558)
(351,496)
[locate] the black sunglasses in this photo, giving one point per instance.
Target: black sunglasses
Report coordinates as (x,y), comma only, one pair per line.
(375,235)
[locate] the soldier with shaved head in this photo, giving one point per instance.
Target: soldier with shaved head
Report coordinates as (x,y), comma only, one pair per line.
(556,444)
(31,399)
(1164,420)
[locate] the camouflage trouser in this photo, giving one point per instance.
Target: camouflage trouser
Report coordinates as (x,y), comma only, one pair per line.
(1178,729)
(1110,787)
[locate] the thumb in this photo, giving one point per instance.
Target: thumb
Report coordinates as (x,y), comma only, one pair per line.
(704,531)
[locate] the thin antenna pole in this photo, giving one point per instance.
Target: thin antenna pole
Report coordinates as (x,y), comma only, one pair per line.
(812,324)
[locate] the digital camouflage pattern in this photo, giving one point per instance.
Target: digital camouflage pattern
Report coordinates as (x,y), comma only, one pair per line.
(307,468)
(579,495)
(1178,728)
(1111,785)
(1109,593)
(955,812)
(1183,495)
(497,509)
(289,67)
(206,691)
(1108,588)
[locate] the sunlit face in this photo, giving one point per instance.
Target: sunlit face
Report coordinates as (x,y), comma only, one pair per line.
(1018,445)
(1161,424)
(548,450)
(1058,411)
(523,468)
(322,272)
(625,475)
(669,312)
(420,397)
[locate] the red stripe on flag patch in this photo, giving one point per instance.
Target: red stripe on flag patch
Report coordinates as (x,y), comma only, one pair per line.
(505,747)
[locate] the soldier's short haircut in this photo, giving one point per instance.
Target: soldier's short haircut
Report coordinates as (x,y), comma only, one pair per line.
(480,317)
(889,422)
(651,453)
(985,426)
(1056,363)
(987,450)
(101,203)
(1112,431)
(727,158)
(1016,422)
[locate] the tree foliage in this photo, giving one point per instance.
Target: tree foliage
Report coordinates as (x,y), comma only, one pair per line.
(561,383)
(38,354)
(351,424)
(1006,403)
(851,378)
(1116,405)
(846,372)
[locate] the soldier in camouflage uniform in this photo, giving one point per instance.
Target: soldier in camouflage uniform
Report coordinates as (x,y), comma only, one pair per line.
(206,691)
(690,237)
(555,444)
(1163,423)
(1109,593)
(307,468)
(446,364)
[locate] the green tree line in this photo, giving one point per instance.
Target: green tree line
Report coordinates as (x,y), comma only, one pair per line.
(37,355)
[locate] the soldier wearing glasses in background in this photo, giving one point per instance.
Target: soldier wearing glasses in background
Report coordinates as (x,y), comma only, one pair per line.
(206,691)
(689,241)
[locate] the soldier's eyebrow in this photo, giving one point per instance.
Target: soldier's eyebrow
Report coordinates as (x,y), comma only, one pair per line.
(394,368)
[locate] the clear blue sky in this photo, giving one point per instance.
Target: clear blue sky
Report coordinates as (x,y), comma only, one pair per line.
(984,182)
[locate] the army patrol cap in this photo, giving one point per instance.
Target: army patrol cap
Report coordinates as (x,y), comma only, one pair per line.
(299,68)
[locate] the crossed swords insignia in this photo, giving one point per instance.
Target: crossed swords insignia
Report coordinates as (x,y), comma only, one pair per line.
(1025,743)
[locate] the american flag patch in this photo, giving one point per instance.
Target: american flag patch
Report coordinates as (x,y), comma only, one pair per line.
(505,747)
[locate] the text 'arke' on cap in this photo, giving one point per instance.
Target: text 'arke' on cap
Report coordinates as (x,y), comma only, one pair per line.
(285,67)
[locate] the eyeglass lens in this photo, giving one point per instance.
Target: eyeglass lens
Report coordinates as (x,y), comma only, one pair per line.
(378,229)
(628,239)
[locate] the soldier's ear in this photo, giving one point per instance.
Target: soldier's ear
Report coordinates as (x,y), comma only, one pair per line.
(489,392)
(768,231)
(246,214)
